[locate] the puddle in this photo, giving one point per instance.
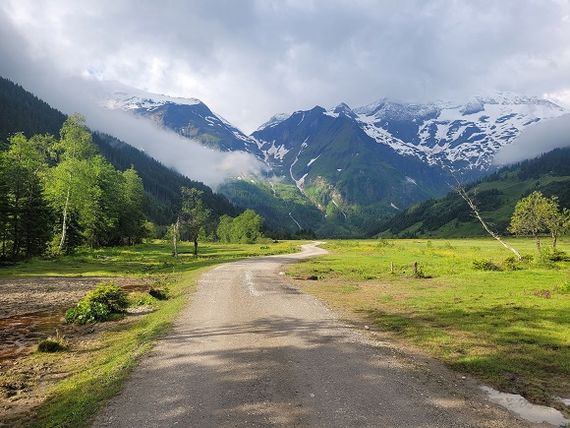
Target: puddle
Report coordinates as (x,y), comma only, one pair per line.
(19,334)
(526,410)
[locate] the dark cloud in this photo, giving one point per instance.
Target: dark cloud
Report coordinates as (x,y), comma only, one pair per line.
(251,59)
(76,94)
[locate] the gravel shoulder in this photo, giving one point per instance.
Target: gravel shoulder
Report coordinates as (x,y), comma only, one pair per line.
(252,350)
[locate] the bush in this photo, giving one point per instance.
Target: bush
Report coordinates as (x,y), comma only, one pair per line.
(55,343)
(486,265)
(100,304)
(159,293)
(556,256)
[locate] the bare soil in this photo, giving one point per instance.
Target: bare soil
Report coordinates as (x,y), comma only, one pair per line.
(32,309)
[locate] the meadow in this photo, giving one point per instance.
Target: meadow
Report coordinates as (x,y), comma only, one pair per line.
(66,389)
(470,305)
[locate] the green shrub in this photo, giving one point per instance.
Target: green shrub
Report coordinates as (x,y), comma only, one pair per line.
(110,295)
(141,299)
(101,304)
(486,265)
(556,256)
(56,343)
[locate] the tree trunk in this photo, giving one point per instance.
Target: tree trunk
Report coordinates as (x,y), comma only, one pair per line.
(64,222)
(195,247)
(461,191)
(554,241)
(537,240)
(175,237)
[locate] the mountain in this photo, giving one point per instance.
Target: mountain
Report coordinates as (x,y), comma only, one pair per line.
(21,111)
(358,166)
(336,165)
(188,117)
(457,136)
(495,196)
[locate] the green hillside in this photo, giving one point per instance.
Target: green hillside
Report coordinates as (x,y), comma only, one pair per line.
(495,196)
(21,111)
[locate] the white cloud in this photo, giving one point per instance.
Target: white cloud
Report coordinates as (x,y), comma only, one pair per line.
(250,59)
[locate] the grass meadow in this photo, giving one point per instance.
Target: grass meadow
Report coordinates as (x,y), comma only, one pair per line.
(509,327)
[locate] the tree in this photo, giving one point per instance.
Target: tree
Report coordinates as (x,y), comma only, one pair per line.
(475,210)
(532,216)
(224,230)
(246,227)
(24,215)
(67,184)
(193,215)
(131,216)
(554,220)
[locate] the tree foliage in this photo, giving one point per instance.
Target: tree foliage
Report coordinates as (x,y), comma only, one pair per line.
(245,228)
(537,214)
(63,191)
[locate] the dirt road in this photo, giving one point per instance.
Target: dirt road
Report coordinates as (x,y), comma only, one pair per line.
(250,350)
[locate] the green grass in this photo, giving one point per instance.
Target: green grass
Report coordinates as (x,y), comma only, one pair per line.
(141,260)
(510,328)
(97,368)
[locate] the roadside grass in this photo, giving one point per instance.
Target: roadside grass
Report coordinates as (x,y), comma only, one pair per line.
(140,260)
(94,369)
(510,328)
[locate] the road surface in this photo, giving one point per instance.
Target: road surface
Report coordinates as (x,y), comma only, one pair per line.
(250,350)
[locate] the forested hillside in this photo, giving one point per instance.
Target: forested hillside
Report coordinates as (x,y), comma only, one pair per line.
(21,111)
(495,197)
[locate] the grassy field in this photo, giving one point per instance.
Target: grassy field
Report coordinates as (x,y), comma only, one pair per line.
(509,328)
(93,370)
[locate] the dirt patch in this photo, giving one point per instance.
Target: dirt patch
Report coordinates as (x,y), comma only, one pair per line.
(30,310)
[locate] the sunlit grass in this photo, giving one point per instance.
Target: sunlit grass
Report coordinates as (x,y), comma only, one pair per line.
(510,328)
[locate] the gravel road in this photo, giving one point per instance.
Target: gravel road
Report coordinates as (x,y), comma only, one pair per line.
(251,350)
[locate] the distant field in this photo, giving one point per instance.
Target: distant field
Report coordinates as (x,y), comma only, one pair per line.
(66,389)
(510,328)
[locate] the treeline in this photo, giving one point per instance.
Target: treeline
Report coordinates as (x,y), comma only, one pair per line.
(56,194)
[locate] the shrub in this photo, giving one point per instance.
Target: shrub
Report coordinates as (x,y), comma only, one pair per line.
(159,293)
(556,256)
(55,343)
(486,265)
(110,295)
(100,304)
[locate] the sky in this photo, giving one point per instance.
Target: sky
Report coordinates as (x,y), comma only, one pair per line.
(250,59)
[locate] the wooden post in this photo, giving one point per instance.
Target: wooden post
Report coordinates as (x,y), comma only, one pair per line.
(391,267)
(415,268)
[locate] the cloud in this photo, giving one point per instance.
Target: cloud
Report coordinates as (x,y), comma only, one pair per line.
(84,95)
(251,59)
(536,140)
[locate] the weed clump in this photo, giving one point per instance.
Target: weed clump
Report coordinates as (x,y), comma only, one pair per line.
(564,288)
(103,303)
(486,265)
(57,343)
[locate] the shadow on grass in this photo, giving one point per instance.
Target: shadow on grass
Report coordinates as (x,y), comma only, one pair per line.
(509,347)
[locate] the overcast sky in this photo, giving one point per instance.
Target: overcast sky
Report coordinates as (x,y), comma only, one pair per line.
(248,60)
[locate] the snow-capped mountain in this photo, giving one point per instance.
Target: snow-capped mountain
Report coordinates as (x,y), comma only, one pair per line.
(459,136)
(188,117)
(462,137)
